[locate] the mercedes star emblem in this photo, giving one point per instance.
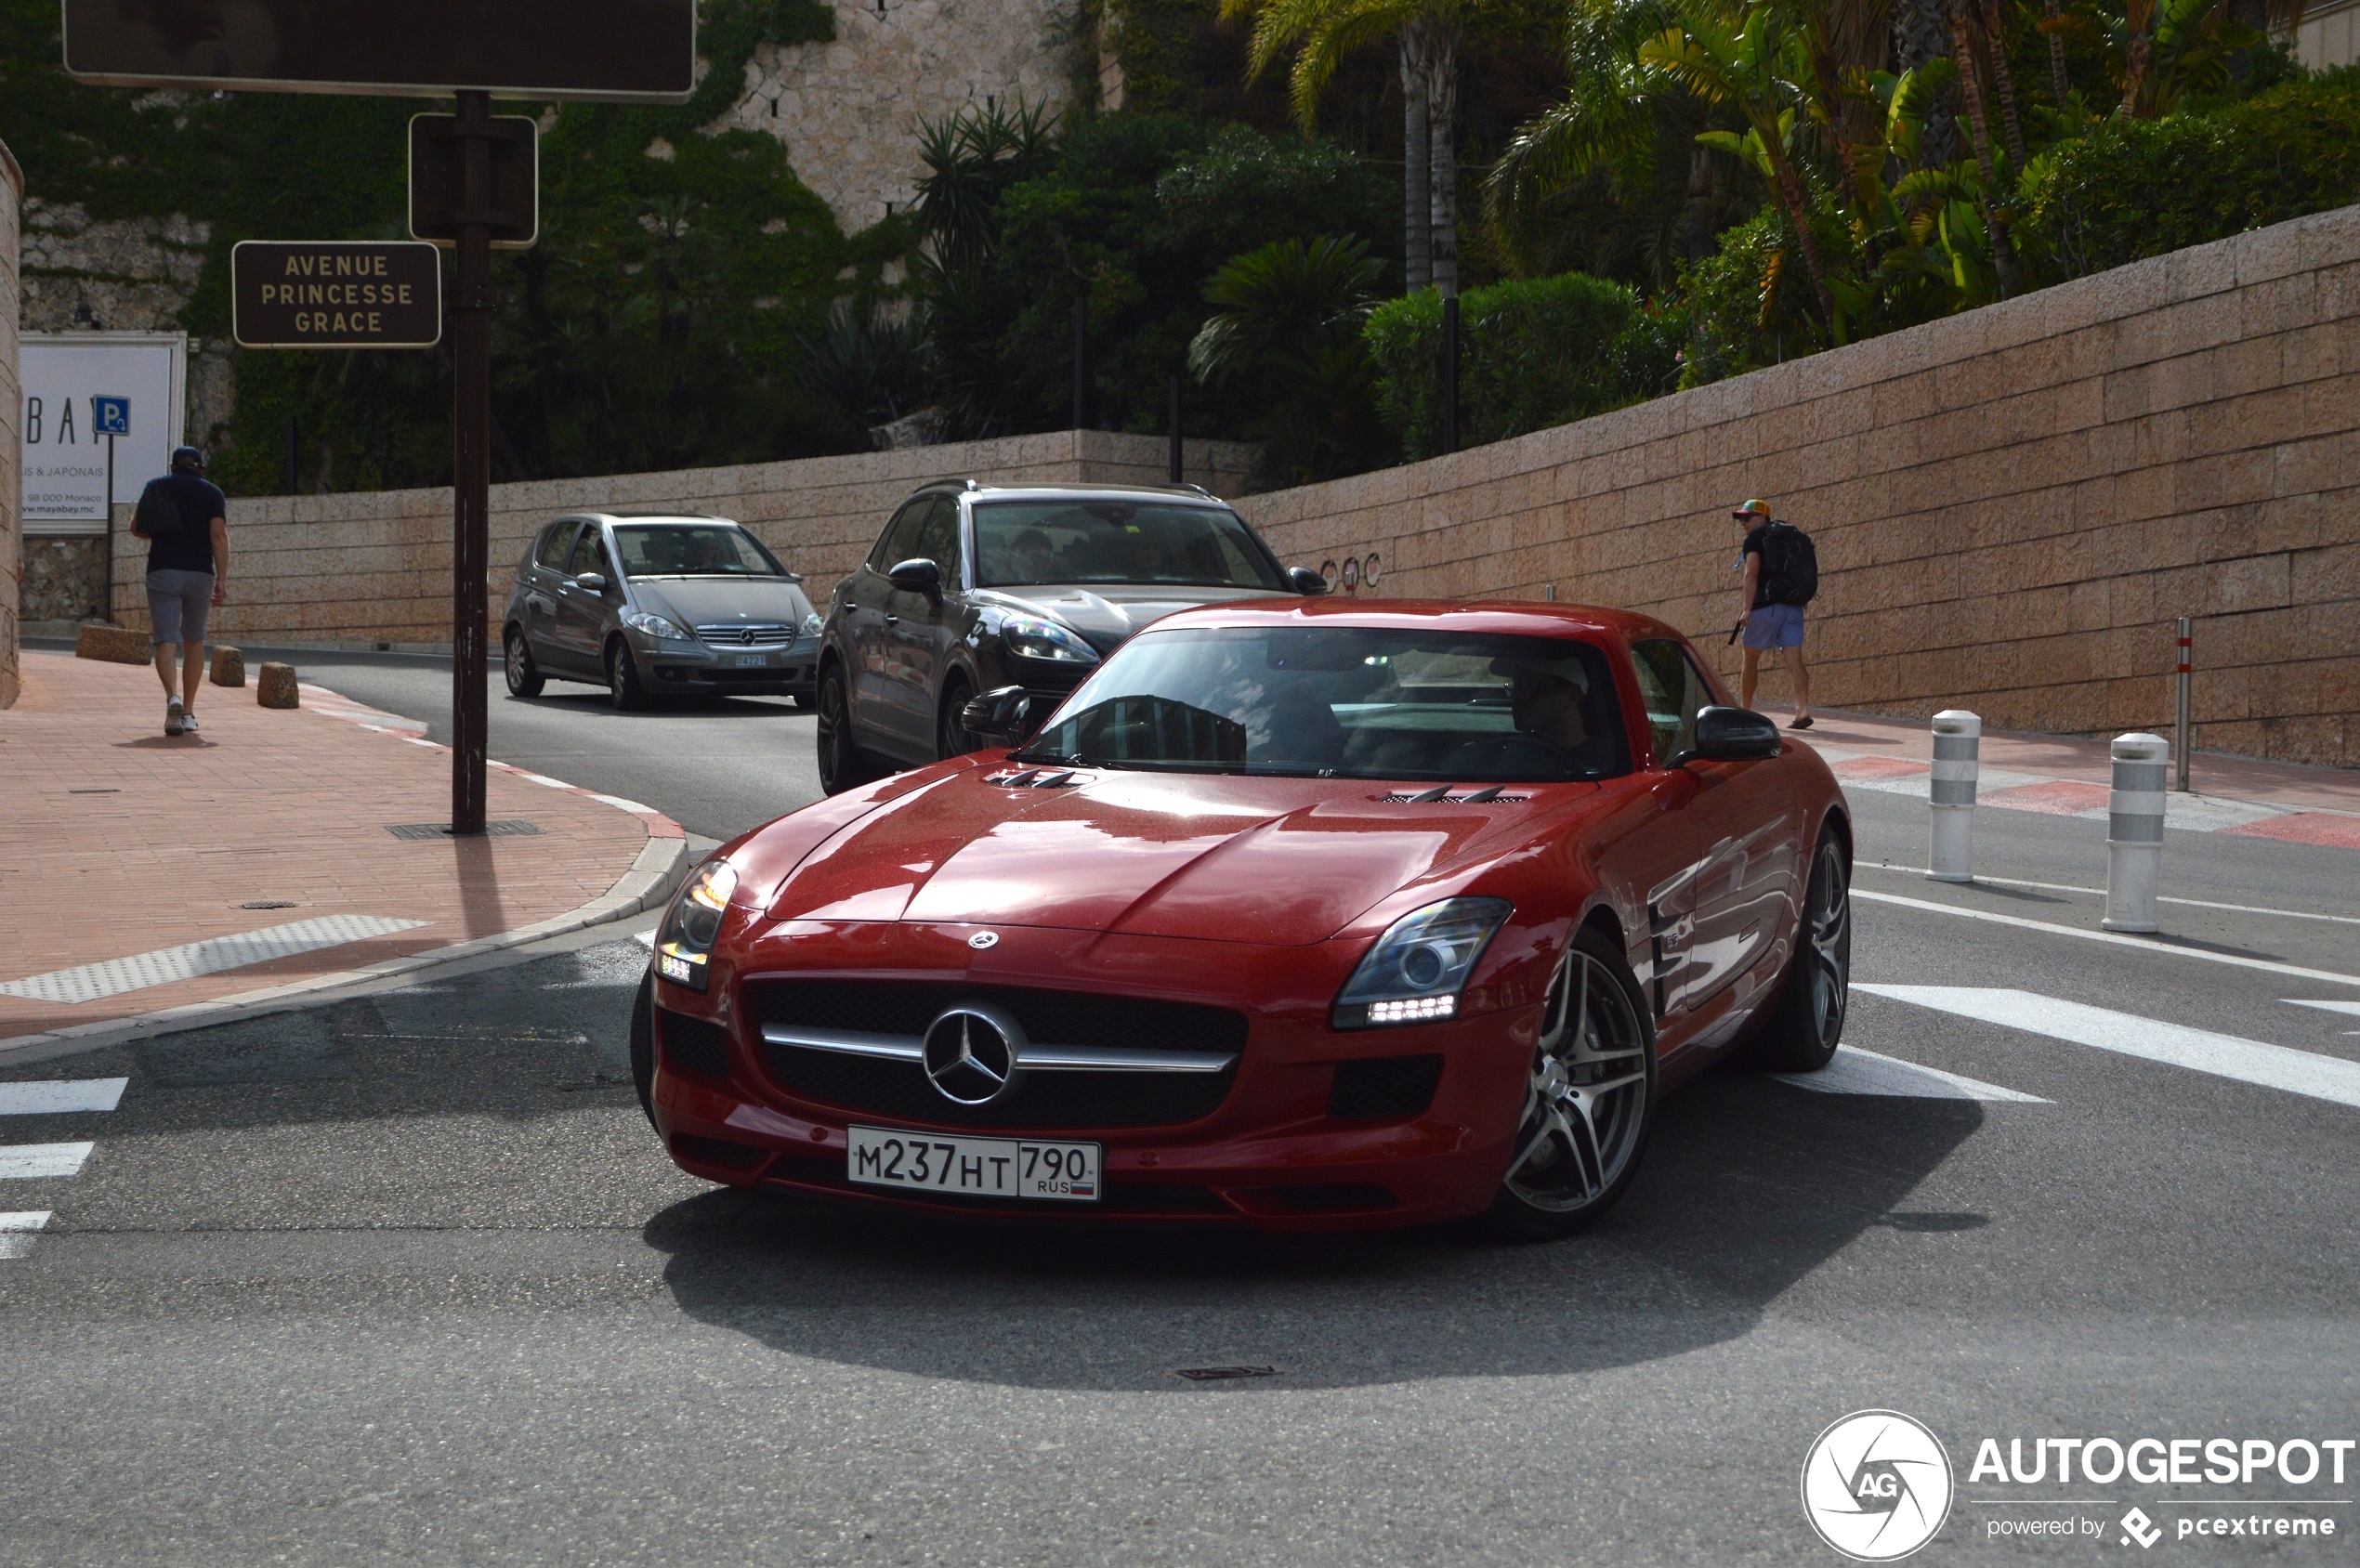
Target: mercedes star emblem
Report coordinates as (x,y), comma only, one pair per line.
(983,939)
(746,636)
(971,1052)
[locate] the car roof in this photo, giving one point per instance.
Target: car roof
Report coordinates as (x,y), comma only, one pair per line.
(647,517)
(1185,495)
(1496,616)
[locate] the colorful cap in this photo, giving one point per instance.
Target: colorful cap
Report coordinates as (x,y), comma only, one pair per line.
(1756,507)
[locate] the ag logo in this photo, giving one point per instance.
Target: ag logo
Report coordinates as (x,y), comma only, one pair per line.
(1877,1485)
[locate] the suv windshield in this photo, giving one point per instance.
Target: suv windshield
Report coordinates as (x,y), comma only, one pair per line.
(1114,540)
(1345,702)
(693,550)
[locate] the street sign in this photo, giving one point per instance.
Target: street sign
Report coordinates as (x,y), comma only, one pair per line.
(110,416)
(336,294)
(436,154)
(614,51)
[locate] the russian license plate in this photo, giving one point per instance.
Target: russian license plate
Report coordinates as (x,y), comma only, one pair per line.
(751,660)
(936,1162)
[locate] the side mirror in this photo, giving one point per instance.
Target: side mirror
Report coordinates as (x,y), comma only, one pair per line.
(1302,580)
(1003,713)
(594,580)
(1731,735)
(920,576)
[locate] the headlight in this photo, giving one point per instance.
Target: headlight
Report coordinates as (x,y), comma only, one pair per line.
(654,625)
(1420,965)
(1035,638)
(684,942)
(813,625)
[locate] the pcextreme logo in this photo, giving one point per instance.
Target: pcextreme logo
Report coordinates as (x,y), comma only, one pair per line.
(1877,1485)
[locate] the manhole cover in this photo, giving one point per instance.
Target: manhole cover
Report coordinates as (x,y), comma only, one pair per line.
(269,904)
(1224,1374)
(513,828)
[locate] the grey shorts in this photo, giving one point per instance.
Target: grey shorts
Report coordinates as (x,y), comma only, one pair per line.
(178,603)
(1775,626)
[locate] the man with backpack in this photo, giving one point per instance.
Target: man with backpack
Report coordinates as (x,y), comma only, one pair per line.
(184,519)
(1782,575)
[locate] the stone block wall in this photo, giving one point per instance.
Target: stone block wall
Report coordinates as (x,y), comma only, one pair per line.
(11,430)
(2011,506)
(376,567)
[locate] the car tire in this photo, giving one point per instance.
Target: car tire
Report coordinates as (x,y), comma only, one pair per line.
(643,1045)
(1589,1102)
(1807,1020)
(623,678)
(952,739)
(843,765)
(525,678)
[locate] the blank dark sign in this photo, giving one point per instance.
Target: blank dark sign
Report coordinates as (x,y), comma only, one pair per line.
(614,50)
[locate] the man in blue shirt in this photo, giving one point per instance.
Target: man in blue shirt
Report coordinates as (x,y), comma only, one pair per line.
(188,573)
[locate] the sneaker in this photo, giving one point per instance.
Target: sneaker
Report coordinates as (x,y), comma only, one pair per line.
(175,719)
(188,723)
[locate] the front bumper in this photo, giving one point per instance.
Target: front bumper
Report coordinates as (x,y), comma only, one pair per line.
(1269,1154)
(671,665)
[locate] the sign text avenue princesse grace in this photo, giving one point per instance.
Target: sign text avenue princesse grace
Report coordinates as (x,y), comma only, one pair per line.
(337,293)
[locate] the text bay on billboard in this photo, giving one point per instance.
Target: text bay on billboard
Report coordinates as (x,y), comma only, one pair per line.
(604,50)
(336,294)
(77,384)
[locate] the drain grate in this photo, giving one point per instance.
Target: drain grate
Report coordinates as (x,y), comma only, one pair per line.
(1224,1374)
(269,904)
(512,827)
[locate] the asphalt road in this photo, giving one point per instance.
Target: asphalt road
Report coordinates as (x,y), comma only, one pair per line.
(405,1278)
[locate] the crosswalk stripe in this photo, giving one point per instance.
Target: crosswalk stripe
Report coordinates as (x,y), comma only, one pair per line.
(2351,1007)
(15,1231)
(1853,1071)
(32,1162)
(2245,1061)
(56,1096)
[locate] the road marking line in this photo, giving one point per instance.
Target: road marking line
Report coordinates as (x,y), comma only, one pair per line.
(2144,943)
(2160,898)
(55,1096)
(2351,1007)
(1853,1071)
(2246,1061)
(90,982)
(32,1162)
(15,1231)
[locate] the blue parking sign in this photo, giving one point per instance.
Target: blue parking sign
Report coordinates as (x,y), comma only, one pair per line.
(110,416)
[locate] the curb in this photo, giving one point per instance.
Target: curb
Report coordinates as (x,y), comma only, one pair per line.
(663,861)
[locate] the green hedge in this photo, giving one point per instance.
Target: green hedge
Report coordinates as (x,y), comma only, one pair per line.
(2137,188)
(1532,353)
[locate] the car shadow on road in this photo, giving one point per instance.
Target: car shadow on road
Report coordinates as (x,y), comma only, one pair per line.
(1750,1185)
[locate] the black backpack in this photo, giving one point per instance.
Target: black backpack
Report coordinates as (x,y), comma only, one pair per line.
(1790,565)
(159,515)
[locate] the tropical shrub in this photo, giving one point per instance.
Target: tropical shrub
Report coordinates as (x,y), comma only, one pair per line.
(1532,353)
(1290,320)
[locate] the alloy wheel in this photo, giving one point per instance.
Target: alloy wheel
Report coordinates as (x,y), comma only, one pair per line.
(1828,920)
(1585,1110)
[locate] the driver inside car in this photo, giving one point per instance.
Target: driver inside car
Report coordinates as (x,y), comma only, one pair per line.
(1547,706)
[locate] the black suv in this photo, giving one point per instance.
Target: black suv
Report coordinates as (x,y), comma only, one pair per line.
(973,587)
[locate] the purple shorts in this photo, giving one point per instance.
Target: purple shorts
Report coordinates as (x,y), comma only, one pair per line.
(1775,626)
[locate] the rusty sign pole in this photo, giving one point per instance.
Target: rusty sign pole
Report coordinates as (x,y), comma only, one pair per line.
(471,466)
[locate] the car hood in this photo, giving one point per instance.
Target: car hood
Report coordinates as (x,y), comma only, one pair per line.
(707,601)
(1278,861)
(1108,613)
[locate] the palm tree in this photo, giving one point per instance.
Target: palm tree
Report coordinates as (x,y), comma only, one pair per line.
(1290,320)
(1427,32)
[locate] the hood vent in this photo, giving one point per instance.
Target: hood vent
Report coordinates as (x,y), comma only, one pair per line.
(1440,795)
(1037,778)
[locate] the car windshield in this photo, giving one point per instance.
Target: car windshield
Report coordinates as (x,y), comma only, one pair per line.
(693,550)
(1113,541)
(1345,702)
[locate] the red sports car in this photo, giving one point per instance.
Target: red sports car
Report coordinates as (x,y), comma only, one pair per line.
(1303,914)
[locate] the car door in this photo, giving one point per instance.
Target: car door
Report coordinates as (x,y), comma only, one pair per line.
(1717,862)
(918,628)
(862,604)
(543,576)
(582,612)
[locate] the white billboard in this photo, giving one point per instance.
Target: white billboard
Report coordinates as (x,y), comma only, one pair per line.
(76,385)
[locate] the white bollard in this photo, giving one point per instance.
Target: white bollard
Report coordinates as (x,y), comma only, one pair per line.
(2134,832)
(1958,738)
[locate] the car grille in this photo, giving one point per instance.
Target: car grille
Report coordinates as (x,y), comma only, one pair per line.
(693,1044)
(746,633)
(1393,1086)
(1047,1100)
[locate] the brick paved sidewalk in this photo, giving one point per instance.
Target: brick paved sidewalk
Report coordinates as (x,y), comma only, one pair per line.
(2063,775)
(256,853)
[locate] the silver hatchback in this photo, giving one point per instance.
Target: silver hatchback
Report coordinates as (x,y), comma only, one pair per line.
(657,606)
